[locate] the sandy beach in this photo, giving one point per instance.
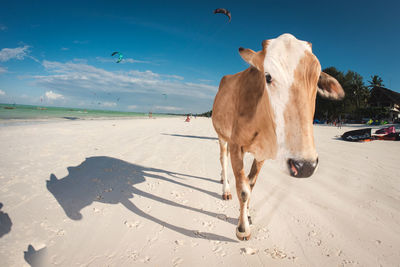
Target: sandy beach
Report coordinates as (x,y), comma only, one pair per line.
(147,192)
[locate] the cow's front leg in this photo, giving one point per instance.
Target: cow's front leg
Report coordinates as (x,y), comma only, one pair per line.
(243,191)
(253,175)
(226,191)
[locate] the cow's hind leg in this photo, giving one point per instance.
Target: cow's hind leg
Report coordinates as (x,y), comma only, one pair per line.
(226,191)
(243,191)
(253,175)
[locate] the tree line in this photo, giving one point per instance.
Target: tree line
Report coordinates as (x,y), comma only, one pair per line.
(355,104)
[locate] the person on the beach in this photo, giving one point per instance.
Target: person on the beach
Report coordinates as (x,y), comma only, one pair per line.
(339,124)
(187,119)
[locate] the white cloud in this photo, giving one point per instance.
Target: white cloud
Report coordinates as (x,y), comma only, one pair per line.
(53,96)
(3,27)
(174,77)
(2,92)
(131,60)
(3,70)
(80,60)
(132,107)
(81,77)
(124,60)
(108,104)
(10,53)
(168,108)
(205,80)
(64,48)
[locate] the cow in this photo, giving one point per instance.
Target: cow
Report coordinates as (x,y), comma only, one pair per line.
(267,110)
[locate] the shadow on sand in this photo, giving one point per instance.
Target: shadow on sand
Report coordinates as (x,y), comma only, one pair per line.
(192,136)
(36,258)
(112,181)
(5,222)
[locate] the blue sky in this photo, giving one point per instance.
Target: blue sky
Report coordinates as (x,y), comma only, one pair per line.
(57,53)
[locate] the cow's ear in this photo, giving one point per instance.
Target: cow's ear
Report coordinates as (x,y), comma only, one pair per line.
(255,59)
(329,87)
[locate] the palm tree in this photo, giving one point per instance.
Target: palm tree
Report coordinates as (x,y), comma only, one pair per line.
(357,92)
(376,81)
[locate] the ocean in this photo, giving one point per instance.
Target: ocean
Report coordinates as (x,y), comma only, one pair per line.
(28,112)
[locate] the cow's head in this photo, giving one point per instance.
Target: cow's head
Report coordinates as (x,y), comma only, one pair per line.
(292,79)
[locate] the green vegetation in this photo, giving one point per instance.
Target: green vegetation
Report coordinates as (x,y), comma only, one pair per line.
(356,104)
(205,114)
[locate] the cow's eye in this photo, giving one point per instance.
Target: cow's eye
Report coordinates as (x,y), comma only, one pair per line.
(268,77)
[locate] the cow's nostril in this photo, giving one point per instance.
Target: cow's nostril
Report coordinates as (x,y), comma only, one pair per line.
(301,168)
(292,167)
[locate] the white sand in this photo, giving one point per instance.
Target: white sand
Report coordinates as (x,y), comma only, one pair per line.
(147,193)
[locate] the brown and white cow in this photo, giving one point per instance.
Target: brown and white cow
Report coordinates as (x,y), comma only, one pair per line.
(268,110)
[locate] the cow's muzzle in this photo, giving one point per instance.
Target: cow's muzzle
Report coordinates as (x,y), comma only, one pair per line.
(301,168)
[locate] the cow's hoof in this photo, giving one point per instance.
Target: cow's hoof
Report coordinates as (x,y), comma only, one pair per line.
(243,236)
(226,196)
(250,221)
(222,181)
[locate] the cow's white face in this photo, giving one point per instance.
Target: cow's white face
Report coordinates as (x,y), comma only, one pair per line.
(292,77)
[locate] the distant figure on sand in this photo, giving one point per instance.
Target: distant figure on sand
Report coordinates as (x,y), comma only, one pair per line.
(339,124)
(150,115)
(187,119)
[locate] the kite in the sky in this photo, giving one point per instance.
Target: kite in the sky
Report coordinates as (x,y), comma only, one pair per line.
(223,11)
(119,56)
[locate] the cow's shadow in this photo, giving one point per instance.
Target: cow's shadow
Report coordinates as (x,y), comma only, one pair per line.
(112,181)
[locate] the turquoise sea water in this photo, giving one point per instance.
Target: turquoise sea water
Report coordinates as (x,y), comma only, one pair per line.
(11,112)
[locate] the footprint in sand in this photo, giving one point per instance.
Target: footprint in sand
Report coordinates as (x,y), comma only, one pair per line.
(177,261)
(248,251)
(183,201)
(96,210)
(263,233)
(133,224)
(279,254)
(349,262)
(45,225)
(207,224)
(314,237)
(133,255)
(221,206)
(176,194)
(179,242)
(61,232)
(219,251)
(145,259)
(275,253)
(193,244)
(152,186)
